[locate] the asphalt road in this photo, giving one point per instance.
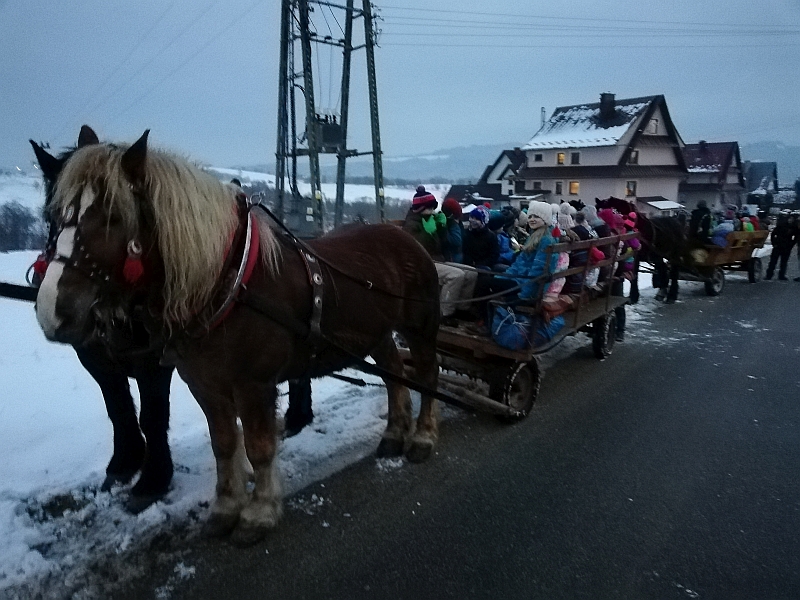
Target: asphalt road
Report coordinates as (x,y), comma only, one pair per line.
(666,471)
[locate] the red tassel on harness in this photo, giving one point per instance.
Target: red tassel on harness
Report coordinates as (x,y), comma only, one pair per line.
(133,269)
(40,266)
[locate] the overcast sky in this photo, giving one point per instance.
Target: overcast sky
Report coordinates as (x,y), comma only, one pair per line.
(203,74)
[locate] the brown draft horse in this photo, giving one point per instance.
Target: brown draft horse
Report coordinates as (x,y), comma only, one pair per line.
(138,222)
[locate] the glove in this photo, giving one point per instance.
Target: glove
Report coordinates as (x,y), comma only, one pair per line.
(429,224)
(440,218)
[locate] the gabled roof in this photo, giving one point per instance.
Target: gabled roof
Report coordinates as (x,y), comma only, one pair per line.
(516,159)
(581,125)
(714,158)
(708,157)
(761,175)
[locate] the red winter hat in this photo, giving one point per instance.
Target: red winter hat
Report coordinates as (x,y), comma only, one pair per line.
(452,207)
(423,199)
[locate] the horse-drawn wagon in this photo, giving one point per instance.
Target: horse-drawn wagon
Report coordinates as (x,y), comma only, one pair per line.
(740,254)
(505,382)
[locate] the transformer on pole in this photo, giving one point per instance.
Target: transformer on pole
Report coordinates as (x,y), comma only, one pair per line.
(324,130)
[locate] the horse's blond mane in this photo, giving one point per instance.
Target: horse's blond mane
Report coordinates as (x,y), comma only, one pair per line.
(194,218)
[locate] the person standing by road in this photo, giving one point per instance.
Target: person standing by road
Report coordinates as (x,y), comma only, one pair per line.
(783,237)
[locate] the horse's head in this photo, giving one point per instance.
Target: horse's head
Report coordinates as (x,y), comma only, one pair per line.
(97,238)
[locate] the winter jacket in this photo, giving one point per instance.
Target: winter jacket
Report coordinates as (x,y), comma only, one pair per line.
(453,248)
(719,237)
(577,258)
(431,242)
(504,248)
(533,264)
(783,236)
(480,248)
(700,224)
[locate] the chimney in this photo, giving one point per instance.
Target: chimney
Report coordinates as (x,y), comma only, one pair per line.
(544,117)
(703,145)
(607,106)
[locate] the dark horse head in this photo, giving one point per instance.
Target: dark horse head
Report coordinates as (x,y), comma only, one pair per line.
(87,247)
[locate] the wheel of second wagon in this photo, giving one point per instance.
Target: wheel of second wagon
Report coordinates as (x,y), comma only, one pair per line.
(517,386)
(604,334)
(755,270)
(716,283)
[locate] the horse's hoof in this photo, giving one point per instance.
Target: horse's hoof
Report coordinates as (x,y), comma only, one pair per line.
(248,534)
(661,297)
(140,503)
(419,451)
(113,479)
(390,448)
(294,422)
(220,524)
(152,484)
(671,300)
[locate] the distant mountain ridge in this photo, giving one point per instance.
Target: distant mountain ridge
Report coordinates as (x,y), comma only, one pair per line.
(465,164)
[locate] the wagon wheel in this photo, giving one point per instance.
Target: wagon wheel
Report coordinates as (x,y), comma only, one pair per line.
(516,386)
(755,269)
(604,334)
(715,284)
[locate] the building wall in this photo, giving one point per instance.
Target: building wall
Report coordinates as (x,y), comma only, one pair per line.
(593,156)
(605,187)
(649,155)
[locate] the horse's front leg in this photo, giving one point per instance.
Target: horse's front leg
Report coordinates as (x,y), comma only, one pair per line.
(663,279)
(634,294)
(129,445)
(154,386)
(674,272)
(256,405)
(226,443)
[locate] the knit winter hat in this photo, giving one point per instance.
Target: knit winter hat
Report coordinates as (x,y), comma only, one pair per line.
(630,220)
(541,210)
(496,222)
(480,213)
(451,207)
(423,199)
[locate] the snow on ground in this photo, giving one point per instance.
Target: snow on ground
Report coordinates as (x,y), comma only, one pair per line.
(55,439)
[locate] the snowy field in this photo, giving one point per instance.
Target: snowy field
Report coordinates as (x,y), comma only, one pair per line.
(56,439)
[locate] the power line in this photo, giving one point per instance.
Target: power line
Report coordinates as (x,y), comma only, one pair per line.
(517,16)
(627,47)
(189,59)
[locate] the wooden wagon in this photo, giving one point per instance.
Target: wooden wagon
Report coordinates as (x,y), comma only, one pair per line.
(712,261)
(491,378)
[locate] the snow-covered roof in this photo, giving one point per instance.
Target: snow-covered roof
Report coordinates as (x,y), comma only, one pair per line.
(665,204)
(581,126)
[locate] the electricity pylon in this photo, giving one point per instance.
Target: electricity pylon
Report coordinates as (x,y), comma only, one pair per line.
(325,132)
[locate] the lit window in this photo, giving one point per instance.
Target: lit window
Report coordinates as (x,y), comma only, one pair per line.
(559,187)
(630,188)
(538,157)
(652,126)
(633,159)
(537,185)
(574,188)
(560,158)
(575,158)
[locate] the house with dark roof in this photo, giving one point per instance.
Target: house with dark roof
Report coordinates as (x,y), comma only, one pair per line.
(761,175)
(714,174)
(623,148)
(496,184)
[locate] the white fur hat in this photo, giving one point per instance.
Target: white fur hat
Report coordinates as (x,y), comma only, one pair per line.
(541,210)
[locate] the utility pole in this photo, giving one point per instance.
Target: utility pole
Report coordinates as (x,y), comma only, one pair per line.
(325,131)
